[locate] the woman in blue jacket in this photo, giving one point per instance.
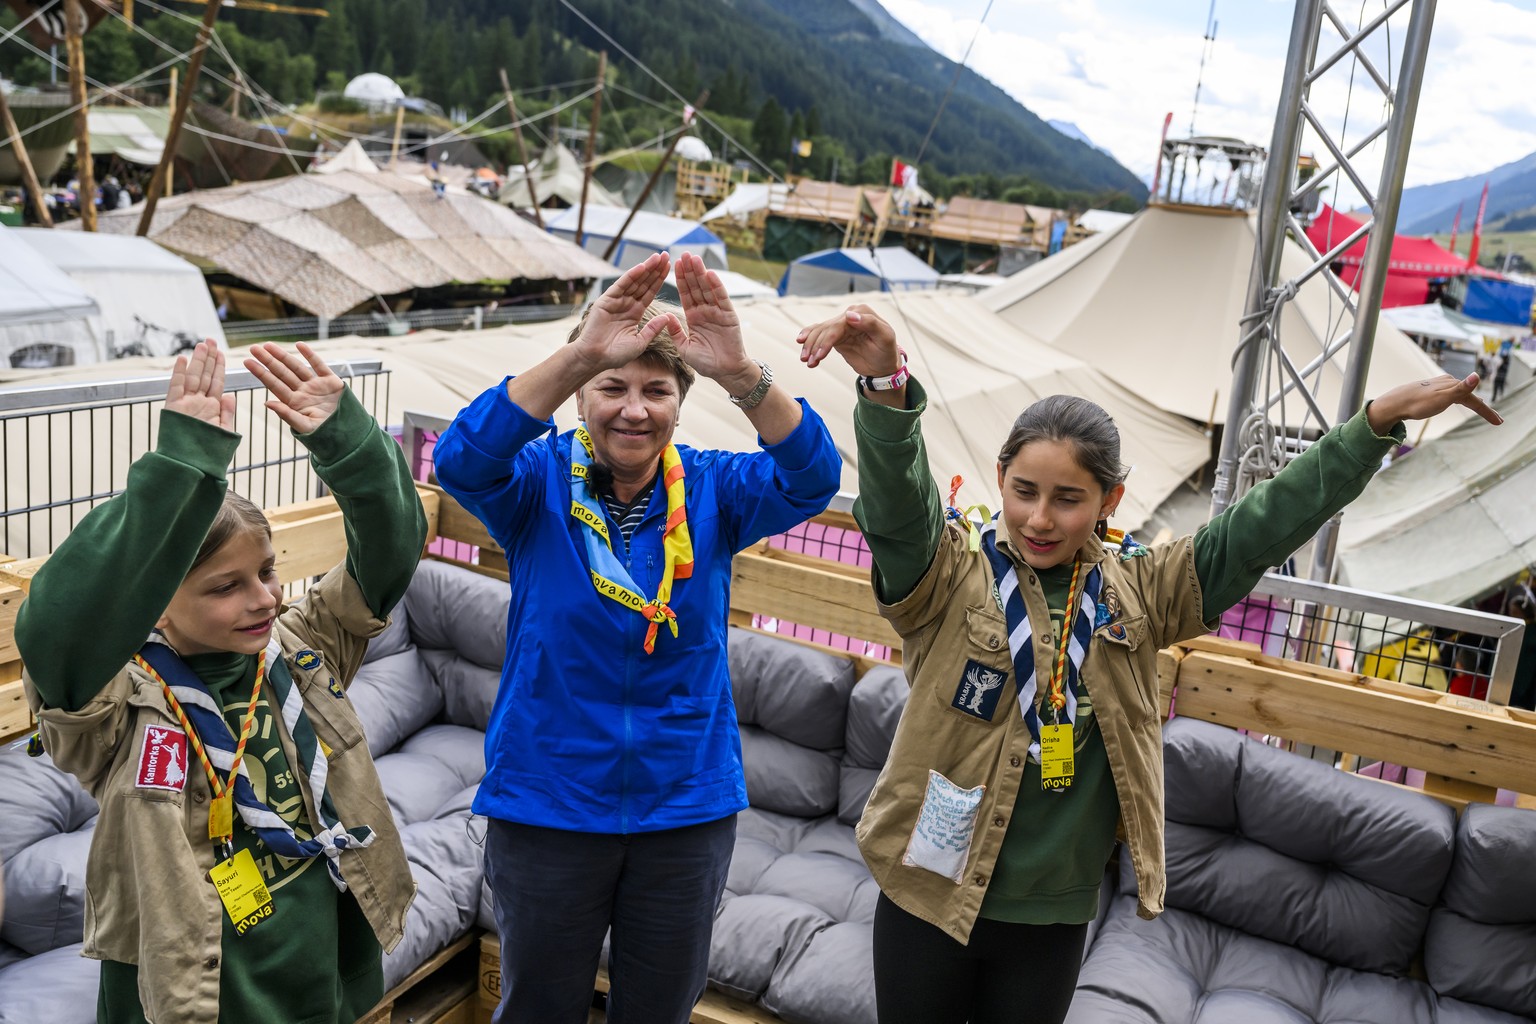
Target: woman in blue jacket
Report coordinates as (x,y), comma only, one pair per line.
(613,772)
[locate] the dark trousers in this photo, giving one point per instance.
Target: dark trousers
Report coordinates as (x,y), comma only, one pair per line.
(1007,974)
(558,892)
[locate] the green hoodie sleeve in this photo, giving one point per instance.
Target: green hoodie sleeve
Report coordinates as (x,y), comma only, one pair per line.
(99,594)
(898,507)
(1278,515)
(367,473)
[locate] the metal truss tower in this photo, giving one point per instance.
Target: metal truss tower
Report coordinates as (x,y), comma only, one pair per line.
(1254,446)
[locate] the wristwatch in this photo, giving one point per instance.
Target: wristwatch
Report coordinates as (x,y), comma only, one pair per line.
(752,398)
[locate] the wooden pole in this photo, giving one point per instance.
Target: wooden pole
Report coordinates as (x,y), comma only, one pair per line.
(586,168)
(74,22)
(24,161)
(175,73)
(651,182)
(394,147)
(162,179)
(522,151)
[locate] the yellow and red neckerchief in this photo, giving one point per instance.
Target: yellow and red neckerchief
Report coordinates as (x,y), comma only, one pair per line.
(609,575)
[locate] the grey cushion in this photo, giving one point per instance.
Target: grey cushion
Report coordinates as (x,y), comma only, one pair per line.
(429,769)
(446,864)
(789,689)
(874,709)
(9,954)
(1287,849)
(58,987)
(752,936)
(454,609)
(830,980)
(1186,969)
(395,638)
(394,696)
(37,800)
(785,777)
(469,689)
(1481,945)
(45,893)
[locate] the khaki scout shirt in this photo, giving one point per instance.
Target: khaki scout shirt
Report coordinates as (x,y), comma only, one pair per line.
(951,617)
(148,898)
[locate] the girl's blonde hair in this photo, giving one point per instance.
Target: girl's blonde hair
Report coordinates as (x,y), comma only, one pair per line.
(237,516)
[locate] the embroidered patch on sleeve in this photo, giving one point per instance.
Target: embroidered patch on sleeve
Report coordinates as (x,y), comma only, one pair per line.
(978,691)
(163,759)
(307,659)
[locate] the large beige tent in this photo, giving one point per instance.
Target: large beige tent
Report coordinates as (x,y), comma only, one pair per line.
(1453,519)
(556,175)
(1155,304)
(980,374)
(328,243)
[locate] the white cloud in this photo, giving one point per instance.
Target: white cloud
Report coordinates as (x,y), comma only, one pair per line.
(1116,69)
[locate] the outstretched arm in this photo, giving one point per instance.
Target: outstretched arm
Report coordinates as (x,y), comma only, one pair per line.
(95,600)
(1278,515)
(898,507)
(362,465)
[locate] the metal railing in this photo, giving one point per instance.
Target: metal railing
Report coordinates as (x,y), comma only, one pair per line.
(376,324)
(66,448)
(1431,645)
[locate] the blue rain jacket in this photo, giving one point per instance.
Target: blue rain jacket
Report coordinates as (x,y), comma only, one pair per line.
(588,732)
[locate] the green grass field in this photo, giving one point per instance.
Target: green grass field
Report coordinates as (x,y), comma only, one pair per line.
(1494,242)
(754,266)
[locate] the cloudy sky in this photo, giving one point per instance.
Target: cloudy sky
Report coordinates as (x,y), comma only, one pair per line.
(1115,68)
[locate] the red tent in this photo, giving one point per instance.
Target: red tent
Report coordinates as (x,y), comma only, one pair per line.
(1414,260)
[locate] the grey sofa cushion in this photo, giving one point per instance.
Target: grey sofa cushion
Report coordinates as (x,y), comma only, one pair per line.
(829,980)
(1186,969)
(394,696)
(753,935)
(1481,944)
(446,864)
(789,689)
(874,708)
(469,689)
(429,769)
(1292,850)
(784,777)
(37,800)
(57,987)
(45,893)
(450,608)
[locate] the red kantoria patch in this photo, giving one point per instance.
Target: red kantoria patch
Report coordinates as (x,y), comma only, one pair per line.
(163,759)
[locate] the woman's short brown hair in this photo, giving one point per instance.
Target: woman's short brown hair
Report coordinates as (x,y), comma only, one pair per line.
(661,353)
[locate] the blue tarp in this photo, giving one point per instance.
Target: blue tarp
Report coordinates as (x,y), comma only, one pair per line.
(1502,302)
(839,271)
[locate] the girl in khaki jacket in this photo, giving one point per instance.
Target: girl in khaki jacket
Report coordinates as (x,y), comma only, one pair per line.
(1032,729)
(244,866)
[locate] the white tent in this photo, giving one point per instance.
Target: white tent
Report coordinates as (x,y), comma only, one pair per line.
(556,175)
(1156,302)
(1452,519)
(1433,320)
(351,158)
(746,198)
(843,271)
(41,307)
(648,233)
(147,296)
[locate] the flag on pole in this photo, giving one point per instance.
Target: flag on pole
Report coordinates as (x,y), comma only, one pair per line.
(1455,227)
(1477,228)
(688,113)
(800,147)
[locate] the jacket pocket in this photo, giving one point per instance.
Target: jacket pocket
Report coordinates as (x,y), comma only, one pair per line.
(941,837)
(333,717)
(1120,649)
(983,667)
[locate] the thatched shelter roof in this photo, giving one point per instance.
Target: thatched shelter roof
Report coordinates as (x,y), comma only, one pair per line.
(327,244)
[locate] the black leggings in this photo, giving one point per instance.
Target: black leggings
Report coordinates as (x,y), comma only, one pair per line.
(1007,974)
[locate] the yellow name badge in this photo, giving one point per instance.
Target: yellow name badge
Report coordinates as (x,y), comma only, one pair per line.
(1056,756)
(242,891)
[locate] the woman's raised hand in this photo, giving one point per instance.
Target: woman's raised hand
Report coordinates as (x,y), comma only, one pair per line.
(1426,398)
(714,346)
(858,334)
(197,387)
(304,390)
(612,334)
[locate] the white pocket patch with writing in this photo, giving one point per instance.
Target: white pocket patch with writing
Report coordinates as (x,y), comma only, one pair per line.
(941,839)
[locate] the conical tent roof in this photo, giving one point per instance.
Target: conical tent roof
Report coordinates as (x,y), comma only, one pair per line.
(1156,303)
(556,175)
